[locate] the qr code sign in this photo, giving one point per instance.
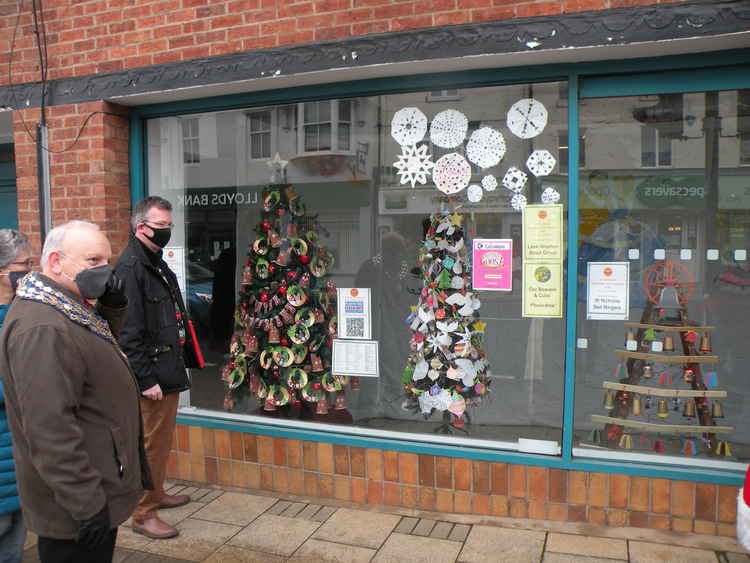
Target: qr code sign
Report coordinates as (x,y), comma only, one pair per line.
(355,328)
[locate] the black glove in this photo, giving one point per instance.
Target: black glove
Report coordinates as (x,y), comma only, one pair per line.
(114,293)
(92,532)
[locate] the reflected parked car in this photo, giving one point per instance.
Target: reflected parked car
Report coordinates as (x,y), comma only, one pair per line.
(199,295)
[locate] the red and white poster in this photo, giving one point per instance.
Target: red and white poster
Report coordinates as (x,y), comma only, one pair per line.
(492,264)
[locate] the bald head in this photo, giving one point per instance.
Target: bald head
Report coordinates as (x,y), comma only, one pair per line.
(71,248)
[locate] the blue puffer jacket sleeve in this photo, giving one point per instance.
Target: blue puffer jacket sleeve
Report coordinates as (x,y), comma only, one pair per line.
(9,501)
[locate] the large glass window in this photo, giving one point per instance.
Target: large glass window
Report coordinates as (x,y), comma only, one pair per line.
(661,376)
(340,158)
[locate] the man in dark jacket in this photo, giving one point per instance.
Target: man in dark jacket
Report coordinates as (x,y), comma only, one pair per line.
(153,337)
(72,400)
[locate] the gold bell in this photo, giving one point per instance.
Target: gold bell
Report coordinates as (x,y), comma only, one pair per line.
(705,343)
(662,408)
(723,448)
(636,410)
(273,335)
(668,344)
(717,411)
(630,336)
(626,442)
(689,409)
(609,400)
(648,371)
(322,407)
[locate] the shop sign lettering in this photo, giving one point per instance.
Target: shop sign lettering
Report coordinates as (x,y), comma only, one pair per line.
(218,199)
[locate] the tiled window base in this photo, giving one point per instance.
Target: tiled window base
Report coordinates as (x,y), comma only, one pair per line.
(445,484)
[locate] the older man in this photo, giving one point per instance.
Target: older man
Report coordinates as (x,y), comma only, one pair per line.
(72,399)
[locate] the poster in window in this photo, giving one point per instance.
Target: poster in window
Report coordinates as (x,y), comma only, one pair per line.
(354,313)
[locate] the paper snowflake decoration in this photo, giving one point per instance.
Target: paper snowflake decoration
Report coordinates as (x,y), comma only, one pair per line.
(474,193)
(414,164)
(514,179)
(541,163)
(489,183)
(486,147)
(518,201)
(451,173)
(550,195)
(527,118)
(448,128)
(408,126)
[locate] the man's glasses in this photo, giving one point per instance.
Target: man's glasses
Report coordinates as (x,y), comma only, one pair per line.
(159,224)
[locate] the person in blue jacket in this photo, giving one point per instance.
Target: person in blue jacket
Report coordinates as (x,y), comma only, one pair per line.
(15,262)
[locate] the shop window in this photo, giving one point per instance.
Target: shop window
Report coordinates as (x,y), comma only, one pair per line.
(663,284)
(191,141)
(562,151)
(448,95)
(260,126)
(357,202)
(326,126)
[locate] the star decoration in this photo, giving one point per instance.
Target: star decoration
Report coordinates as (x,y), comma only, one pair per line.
(456,219)
(479,326)
(414,164)
(277,166)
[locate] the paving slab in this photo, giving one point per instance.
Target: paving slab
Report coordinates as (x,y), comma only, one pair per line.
(174,516)
(643,552)
(400,548)
(357,527)
(589,546)
(199,494)
(487,544)
(309,511)
(459,532)
(324,513)
(736,558)
(275,534)
(441,530)
(293,510)
(568,558)
(235,508)
(406,525)
(197,540)
(279,507)
(232,554)
(329,552)
(213,495)
(127,539)
(424,527)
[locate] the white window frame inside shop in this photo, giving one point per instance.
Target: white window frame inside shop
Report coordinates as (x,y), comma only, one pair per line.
(334,123)
(258,134)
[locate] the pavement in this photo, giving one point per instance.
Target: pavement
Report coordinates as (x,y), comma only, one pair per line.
(224,525)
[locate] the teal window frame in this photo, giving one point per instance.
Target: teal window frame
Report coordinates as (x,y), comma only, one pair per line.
(695,73)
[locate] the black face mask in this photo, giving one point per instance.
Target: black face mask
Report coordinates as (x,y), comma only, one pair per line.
(92,283)
(160,237)
(14,277)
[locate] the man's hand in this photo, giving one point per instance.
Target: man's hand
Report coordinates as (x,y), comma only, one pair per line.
(92,532)
(154,393)
(114,293)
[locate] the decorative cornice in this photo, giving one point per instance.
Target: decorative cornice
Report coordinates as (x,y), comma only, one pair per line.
(622,26)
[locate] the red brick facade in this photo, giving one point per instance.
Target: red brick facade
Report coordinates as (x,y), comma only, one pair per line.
(372,476)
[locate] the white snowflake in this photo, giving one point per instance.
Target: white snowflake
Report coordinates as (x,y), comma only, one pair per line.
(550,195)
(452,173)
(518,201)
(486,147)
(474,193)
(408,126)
(541,162)
(489,183)
(515,179)
(414,164)
(448,128)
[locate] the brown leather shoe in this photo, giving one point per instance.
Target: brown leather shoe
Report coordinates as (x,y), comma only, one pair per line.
(154,528)
(173,501)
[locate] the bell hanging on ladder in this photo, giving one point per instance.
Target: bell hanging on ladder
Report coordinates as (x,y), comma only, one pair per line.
(609,400)
(636,410)
(658,446)
(706,343)
(669,303)
(662,408)
(689,447)
(723,448)
(688,410)
(717,411)
(648,371)
(668,344)
(626,442)
(595,436)
(630,335)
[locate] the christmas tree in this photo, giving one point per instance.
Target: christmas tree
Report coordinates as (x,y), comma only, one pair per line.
(280,351)
(447,371)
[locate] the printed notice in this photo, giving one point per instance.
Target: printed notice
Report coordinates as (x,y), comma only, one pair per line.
(542,289)
(355,358)
(543,233)
(354,313)
(174,256)
(608,289)
(492,264)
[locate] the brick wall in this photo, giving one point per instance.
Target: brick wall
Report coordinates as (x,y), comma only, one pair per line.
(93,36)
(447,484)
(89,178)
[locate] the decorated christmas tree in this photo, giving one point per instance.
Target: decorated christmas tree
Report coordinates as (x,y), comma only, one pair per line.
(447,371)
(280,351)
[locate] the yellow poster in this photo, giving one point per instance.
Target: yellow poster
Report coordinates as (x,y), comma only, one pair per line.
(542,289)
(543,232)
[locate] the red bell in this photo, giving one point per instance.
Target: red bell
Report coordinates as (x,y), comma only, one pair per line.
(705,343)
(340,403)
(322,407)
(355,383)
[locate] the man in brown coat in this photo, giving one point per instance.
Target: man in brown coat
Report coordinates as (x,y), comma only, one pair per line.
(72,400)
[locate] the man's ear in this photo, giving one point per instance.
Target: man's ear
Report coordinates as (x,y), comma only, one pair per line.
(55,262)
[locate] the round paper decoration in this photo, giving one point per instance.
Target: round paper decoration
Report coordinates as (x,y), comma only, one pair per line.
(514,179)
(474,193)
(486,147)
(527,118)
(541,163)
(408,126)
(518,201)
(414,164)
(452,173)
(550,195)
(448,128)
(489,183)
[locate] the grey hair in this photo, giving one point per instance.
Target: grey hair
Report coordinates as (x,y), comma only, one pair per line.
(56,237)
(141,209)
(12,243)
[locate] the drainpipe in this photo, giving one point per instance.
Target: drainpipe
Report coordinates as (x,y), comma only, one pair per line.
(42,175)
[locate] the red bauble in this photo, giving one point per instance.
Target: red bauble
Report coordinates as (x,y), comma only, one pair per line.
(304,258)
(296,403)
(284,342)
(264,297)
(291,274)
(280,212)
(316,386)
(282,290)
(266,225)
(271,268)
